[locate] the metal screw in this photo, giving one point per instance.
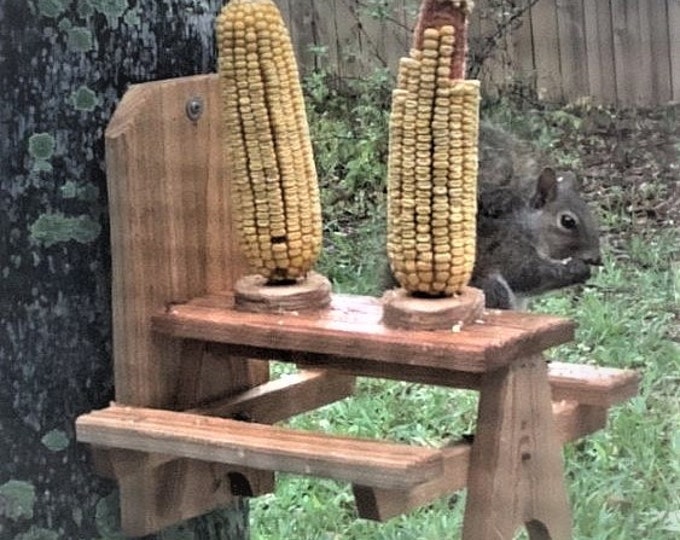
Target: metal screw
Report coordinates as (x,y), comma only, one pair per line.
(194,108)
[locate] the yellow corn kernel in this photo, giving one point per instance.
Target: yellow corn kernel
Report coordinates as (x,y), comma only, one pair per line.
(275,190)
(432,170)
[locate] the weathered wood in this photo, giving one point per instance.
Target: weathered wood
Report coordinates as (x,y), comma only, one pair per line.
(592,385)
(657,35)
(366,462)
(402,310)
(674,37)
(516,476)
(600,50)
(171,239)
(382,504)
(352,328)
(546,51)
(268,403)
(572,421)
(253,293)
(572,49)
(282,398)
(179,433)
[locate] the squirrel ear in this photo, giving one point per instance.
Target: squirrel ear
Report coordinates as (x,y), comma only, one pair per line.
(546,188)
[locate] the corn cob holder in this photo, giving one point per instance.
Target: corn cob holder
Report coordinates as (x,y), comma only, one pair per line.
(432,176)
(274,182)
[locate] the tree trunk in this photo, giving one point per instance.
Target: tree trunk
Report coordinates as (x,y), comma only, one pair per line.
(63,67)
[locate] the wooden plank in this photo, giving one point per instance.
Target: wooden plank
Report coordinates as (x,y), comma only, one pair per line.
(633,72)
(282,398)
(361,461)
(523,51)
(659,49)
(547,52)
(516,475)
(352,328)
(592,385)
(397,35)
(170,215)
(303,32)
(269,403)
(382,504)
(674,43)
(600,50)
(652,65)
(572,421)
(572,47)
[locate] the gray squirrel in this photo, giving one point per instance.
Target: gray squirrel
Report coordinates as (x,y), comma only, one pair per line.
(528,245)
(535,233)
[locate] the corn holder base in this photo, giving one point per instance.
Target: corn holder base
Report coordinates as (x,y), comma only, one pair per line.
(402,310)
(253,293)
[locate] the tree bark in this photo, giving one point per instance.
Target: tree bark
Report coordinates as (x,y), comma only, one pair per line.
(64,65)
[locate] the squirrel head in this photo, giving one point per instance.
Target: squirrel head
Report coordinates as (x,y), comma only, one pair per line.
(564,225)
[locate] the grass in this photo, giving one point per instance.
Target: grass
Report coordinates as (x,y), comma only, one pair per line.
(623,482)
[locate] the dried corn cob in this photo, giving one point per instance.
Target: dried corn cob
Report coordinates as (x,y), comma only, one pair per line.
(432,168)
(275,189)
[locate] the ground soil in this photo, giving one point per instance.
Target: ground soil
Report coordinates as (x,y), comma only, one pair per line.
(630,163)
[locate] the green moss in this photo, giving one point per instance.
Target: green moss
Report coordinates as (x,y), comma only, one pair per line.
(106,517)
(37,533)
(55,440)
(111,8)
(80,39)
(88,192)
(41,146)
(132,18)
(65,25)
(52,228)
(85,8)
(51,8)
(17,499)
(84,99)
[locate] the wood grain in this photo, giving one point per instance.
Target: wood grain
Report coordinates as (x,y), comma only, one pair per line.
(171,240)
(366,462)
(516,477)
(352,328)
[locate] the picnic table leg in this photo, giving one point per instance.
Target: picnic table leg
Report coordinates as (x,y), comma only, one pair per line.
(516,475)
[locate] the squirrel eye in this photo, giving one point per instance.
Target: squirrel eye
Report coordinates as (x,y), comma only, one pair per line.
(568,221)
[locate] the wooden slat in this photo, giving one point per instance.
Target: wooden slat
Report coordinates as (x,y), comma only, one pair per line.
(674,43)
(592,385)
(572,421)
(352,328)
(657,47)
(171,240)
(546,54)
(600,50)
(282,398)
(365,462)
(633,71)
(382,504)
(523,50)
(572,49)
(268,403)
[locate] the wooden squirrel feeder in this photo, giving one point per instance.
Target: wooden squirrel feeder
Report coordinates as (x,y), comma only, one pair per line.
(192,425)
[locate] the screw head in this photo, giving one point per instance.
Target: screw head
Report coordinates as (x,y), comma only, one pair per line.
(194,108)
